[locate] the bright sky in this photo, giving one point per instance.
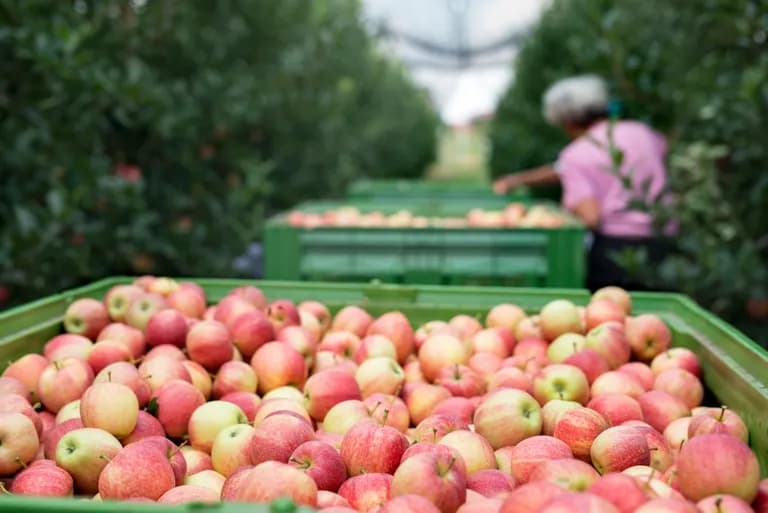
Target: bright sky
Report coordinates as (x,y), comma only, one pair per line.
(460,94)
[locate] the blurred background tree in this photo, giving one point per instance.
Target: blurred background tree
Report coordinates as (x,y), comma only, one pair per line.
(698,71)
(155,136)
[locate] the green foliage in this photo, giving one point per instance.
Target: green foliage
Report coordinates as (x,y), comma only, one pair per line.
(157,138)
(697,71)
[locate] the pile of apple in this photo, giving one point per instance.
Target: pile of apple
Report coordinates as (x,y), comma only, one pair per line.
(514,215)
(153,395)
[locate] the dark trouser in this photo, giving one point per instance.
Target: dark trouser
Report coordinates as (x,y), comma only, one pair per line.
(602,269)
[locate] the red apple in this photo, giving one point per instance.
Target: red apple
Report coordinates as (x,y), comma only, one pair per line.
(278,364)
(325,389)
(17,403)
(718,420)
(530,453)
(676,358)
(352,319)
(84,453)
(460,407)
(106,352)
(332,502)
(322,463)
(281,405)
(51,438)
(166,327)
(578,428)
(27,370)
(162,369)
(199,377)
(367,492)
(379,375)
(67,345)
(133,339)
(396,327)
(616,408)
(561,381)
(250,331)
(681,384)
(620,490)
(618,448)
(229,310)
(42,479)
(422,398)
(440,351)
(283,312)
(186,494)
(760,503)
(231,449)
(591,363)
(571,474)
(278,436)
(529,327)
(603,310)
(234,377)
(146,426)
(408,504)
(142,309)
(431,328)
(564,346)
(616,382)
(197,461)
(119,298)
(551,411)
(388,410)
(615,294)
(138,470)
(491,483)
(171,452)
(648,336)
(209,419)
(301,339)
(505,315)
(641,372)
(269,481)
(247,401)
(436,426)
(474,449)
(660,408)
(176,401)
(676,433)
(461,381)
(531,497)
(19,442)
(166,351)
(611,342)
(483,363)
(341,343)
(371,447)
(435,476)
(719,463)
(507,416)
(493,340)
(661,455)
(581,502)
(319,311)
(86,317)
(209,344)
(110,406)
(63,381)
(558,317)
(342,416)
(373,346)
(723,504)
(188,301)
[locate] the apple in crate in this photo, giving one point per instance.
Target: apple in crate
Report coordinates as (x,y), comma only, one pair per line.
(166,327)
(676,358)
(234,377)
(209,344)
(571,474)
(435,476)
(440,351)
(648,336)
(561,381)
(319,311)
(67,345)
(110,406)
(207,478)
(126,374)
(507,416)
(396,327)
(353,319)
(231,449)
(558,317)
(278,364)
(146,426)
(186,494)
(367,492)
(209,419)
(504,315)
(578,428)
(379,375)
(408,504)
(137,470)
(325,389)
(283,312)
(176,401)
(618,448)
(142,309)
(42,478)
(610,340)
(27,370)
(19,442)
(86,317)
(268,481)
(371,447)
(436,426)
(162,369)
(718,420)
(531,497)
(530,453)
(278,436)
(172,453)
(63,381)
(132,338)
(84,453)
(475,450)
(119,298)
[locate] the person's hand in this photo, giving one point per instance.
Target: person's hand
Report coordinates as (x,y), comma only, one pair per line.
(508,183)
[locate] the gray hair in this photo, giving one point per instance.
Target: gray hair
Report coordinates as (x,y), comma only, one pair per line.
(576,100)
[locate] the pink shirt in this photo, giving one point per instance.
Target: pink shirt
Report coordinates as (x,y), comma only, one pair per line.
(586,171)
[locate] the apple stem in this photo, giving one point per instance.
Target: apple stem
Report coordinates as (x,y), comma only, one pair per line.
(434,434)
(20,462)
(384,417)
(109,376)
(57,365)
(104,457)
(378,403)
(681,445)
(450,465)
(3,489)
(183,443)
(650,476)
(456,374)
(718,504)
(722,413)
(37,406)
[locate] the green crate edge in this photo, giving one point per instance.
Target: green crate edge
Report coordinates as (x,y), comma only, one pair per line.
(734,365)
(386,189)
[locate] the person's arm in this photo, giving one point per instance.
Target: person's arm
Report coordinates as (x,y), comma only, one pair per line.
(588,211)
(543,175)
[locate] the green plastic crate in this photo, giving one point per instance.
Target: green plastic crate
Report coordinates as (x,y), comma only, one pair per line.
(735,369)
(534,257)
(471,193)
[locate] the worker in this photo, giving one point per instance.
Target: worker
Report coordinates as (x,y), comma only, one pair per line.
(607,167)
